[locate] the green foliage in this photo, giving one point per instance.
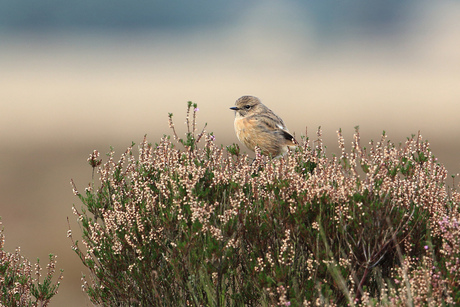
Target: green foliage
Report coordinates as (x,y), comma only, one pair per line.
(18,287)
(203,226)
(234,149)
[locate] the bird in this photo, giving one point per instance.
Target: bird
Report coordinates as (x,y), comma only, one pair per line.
(257,125)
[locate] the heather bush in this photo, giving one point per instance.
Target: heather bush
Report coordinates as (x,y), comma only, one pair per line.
(187,222)
(20,283)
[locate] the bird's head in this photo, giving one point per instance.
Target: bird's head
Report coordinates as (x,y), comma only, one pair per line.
(247,105)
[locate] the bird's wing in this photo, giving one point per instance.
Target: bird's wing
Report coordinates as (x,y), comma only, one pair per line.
(289,137)
(272,123)
(278,125)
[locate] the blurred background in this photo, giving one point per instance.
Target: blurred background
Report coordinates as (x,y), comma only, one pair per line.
(82,75)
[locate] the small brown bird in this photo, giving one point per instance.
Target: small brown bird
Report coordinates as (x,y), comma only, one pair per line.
(257,125)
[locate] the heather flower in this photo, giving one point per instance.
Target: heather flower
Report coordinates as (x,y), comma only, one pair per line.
(22,284)
(186,222)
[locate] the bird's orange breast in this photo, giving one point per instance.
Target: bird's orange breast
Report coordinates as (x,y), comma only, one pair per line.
(242,129)
(251,134)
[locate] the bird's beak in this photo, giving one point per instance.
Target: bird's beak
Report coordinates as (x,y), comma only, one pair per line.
(234,108)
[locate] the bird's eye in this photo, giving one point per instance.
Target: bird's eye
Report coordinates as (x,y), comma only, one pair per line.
(247,107)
